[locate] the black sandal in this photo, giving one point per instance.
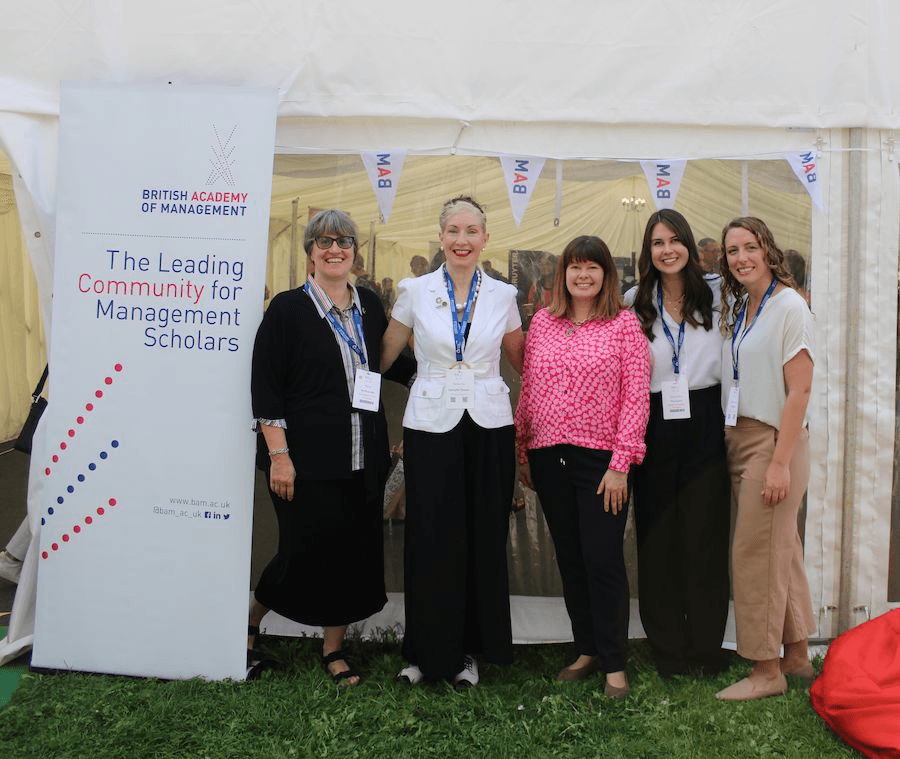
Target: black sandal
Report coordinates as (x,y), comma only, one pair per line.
(340,655)
(256,665)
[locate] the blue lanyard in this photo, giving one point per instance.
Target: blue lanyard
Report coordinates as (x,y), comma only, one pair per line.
(676,352)
(736,349)
(339,328)
(460,324)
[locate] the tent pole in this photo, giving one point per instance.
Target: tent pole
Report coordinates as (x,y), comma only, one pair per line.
(856,232)
(292,274)
(745,189)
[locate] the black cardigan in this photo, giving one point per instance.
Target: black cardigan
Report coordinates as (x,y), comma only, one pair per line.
(298,376)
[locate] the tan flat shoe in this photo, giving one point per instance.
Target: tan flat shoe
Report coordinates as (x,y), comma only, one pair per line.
(746,690)
(804,672)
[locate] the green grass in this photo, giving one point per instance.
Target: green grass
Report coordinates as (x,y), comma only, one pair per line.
(10,674)
(295,711)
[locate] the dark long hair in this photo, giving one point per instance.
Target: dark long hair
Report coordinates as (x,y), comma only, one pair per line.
(608,302)
(698,297)
(732,290)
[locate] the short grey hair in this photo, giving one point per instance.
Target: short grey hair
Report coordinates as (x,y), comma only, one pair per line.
(330,221)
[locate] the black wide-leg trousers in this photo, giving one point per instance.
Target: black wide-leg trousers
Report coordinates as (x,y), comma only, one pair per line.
(682,514)
(459,487)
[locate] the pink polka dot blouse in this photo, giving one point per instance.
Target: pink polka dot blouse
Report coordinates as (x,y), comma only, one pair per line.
(585,385)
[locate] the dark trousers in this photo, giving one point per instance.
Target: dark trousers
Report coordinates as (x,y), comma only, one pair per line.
(682,512)
(589,551)
(459,487)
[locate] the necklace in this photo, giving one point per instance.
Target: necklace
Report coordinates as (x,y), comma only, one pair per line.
(575,325)
(461,306)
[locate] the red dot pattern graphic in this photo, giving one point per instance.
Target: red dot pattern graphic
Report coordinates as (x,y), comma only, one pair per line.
(70,432)
(80,419)
(76,529)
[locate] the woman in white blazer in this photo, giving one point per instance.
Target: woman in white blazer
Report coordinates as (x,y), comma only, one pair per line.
(459,458)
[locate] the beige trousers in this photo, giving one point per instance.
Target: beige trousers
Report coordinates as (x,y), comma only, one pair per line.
(772,604)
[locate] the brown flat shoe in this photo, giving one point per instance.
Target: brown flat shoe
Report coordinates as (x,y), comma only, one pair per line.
(746,690)
(616,693)
(570,674)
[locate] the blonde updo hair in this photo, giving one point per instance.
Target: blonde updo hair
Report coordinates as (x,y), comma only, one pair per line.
(461,203)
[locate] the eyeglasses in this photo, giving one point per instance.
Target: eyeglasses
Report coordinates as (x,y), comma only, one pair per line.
(324,243)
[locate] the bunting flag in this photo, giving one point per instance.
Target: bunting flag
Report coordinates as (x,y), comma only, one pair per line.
(384,168)
(521,175)
(664,180)
(805,167)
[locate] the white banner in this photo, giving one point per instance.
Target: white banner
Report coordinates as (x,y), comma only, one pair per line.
(384,168)
(664,180)
(805,167)
(162,230)
(521,174)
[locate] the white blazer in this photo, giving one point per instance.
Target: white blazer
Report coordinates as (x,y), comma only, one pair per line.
(422,304)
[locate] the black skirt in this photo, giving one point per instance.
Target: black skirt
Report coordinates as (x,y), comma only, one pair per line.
(329,569)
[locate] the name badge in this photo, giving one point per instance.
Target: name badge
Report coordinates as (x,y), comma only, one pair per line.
(460,388)
(676,399)
(731,410)
(366,390)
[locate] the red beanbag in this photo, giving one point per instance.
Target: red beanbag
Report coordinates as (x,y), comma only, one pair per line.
(858,692)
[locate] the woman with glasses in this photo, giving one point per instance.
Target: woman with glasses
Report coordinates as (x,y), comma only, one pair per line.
(459,460)
(316,400)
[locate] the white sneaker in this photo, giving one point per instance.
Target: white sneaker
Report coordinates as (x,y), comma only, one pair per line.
(10,567)
(411,675)
(468,675)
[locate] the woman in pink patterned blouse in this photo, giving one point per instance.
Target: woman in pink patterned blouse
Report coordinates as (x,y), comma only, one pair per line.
(580,426)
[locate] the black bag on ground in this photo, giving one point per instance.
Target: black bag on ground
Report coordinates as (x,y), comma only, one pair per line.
(38,404)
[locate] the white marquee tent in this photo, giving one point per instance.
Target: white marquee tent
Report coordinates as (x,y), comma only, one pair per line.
(592,86)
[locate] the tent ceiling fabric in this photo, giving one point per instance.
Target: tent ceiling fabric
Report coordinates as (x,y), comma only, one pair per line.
(762,63)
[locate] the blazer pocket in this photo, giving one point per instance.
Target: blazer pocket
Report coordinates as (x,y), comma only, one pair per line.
(498,407)
(496,386)
(427,398)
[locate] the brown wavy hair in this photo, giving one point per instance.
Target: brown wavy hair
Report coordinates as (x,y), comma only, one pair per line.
(608,302)
(697,295)
(733,291)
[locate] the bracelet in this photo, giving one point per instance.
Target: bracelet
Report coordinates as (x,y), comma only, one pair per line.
(278,450)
